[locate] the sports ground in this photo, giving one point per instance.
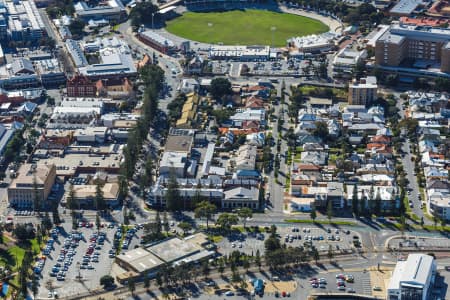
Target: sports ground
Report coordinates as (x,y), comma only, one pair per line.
(243,27)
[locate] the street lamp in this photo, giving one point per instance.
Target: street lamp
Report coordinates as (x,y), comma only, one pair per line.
(153,26)
(273,28)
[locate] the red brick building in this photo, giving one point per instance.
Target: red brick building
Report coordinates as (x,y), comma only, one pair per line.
(81,86)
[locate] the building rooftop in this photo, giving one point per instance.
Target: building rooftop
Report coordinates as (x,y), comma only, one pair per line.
(140,259)
(179,143)
(414,271)
(174,249)
(27,173)
(157,38)
(405,7)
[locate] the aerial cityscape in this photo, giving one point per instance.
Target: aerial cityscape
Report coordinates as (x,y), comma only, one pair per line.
(224,149)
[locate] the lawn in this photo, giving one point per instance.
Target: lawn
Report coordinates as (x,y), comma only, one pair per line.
(243,27)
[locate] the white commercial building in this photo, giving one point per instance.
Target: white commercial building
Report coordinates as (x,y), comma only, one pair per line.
(345,61)
(314,43)
(413,278)
(244,53)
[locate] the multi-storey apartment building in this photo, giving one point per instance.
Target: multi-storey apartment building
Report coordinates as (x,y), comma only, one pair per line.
(424,46)
(363,92)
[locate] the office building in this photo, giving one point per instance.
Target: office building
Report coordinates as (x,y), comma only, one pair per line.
(414,47)
(363,92)
(31,178)
(413,278)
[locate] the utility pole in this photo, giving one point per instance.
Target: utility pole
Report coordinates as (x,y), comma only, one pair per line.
(273,28)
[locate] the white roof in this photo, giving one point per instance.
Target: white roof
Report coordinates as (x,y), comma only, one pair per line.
(414,271)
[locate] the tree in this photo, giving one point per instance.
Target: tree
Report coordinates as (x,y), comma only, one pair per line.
(205,268)
(272,243)
(378,203)
(142,13)
(146,280)
(315,254)
(220,87)
(330,252)
(76,27)
(355,200)
(99,199)
(173,194)
(97,221)
(34,286)
(55,214)
(220,266)
(46,222)
(185,226)
(70,199)
(123,187)
(329,210)
(258,259)
(313,214)
(74,220)
(321,130)
(226,220)
(165,222)
(246,264)
(131,285)
(106,281)
(245,213)
(206,210)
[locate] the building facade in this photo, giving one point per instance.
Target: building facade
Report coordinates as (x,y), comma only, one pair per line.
(31,180)
(81,86)
(422,46)
(412,279)
(363,92)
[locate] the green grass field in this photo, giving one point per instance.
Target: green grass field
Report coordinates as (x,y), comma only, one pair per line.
(249,27)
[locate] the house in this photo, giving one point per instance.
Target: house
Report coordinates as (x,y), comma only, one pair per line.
(254,102)
(245,158)
(314,157)
(241,197)
(195,65)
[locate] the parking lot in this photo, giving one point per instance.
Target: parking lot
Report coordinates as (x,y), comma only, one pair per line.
(77,259)
(249,243)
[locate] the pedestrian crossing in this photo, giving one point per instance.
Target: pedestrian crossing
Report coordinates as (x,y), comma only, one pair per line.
(366,285)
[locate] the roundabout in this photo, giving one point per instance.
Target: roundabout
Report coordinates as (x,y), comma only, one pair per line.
(243,27)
